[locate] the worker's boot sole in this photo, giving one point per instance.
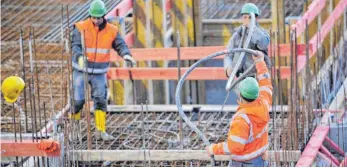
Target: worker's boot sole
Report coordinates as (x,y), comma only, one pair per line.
(107,137)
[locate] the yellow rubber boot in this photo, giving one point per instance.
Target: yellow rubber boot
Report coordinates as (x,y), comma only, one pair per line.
(100,120)
(76,116)
(100,124)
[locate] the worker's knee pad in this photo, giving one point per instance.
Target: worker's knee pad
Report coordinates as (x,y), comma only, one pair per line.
(78,105)
(100,103)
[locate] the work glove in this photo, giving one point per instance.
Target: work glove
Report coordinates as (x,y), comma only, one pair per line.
(259,57)
(48,145)
(81,62)
(130,59)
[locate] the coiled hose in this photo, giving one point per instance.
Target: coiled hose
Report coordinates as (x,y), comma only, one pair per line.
(191,68)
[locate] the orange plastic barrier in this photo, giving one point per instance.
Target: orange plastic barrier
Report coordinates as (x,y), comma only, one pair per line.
(28,148)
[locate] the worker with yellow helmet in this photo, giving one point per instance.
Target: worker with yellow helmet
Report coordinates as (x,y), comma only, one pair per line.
(11,88)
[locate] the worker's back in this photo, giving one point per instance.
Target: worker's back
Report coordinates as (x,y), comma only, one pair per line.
(247,140)
(256,116)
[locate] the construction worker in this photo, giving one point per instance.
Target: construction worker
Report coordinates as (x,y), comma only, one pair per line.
(11,88)
(259,41)
(99,38)
(247,140)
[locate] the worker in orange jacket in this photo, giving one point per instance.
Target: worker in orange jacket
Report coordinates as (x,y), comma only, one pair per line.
(99,38)
(247,140)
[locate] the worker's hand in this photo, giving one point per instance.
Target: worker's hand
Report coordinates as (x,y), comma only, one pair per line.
(259,57)
(130,59)
(81,62)
(209,150)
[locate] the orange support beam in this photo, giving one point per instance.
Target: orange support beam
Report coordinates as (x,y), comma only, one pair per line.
(327,26)
(24,148)
(312,147)
(193,53)
(200,73)
(313,10)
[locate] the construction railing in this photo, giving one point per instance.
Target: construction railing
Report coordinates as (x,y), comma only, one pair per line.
(320,133)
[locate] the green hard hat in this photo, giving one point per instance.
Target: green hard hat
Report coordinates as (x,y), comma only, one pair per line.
(97,8)
(249,88)
(250,8)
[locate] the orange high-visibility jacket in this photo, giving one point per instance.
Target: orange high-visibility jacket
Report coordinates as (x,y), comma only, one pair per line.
(248,133)
(98,44)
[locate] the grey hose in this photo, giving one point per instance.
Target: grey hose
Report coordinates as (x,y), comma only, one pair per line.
(181,81)
(239,61)
(243,76)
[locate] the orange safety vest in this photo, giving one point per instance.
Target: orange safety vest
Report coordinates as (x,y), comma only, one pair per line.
(97,44)
(248,132)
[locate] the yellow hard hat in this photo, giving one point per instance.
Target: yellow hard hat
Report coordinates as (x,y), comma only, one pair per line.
(12,87)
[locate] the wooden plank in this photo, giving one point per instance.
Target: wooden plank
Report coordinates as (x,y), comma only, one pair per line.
(333,145)
(186,107)
(312,147)
(24,148)
(200,73)
(191,53)
(313,10)
(166,155)
(284,49)
(328,25)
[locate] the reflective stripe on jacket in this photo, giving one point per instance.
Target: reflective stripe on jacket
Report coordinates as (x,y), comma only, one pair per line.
(98,44)
(248,133)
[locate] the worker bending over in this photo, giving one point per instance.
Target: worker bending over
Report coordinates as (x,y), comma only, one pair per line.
(260,40)
(99,38)
(247,141)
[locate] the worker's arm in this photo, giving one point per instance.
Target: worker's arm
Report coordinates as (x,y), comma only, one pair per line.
(122,49)
(76,44)
(237,138)
(264,79)
(120,46)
